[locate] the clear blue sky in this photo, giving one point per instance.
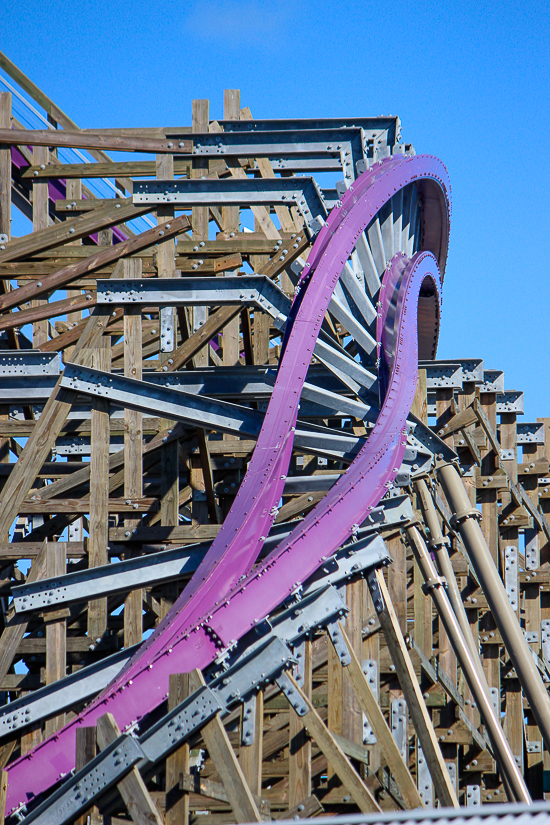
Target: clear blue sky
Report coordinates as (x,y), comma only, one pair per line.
(470,82)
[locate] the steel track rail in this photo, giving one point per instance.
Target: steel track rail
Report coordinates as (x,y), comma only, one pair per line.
(225,597)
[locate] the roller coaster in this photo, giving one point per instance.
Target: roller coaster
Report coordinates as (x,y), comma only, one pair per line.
(244,577)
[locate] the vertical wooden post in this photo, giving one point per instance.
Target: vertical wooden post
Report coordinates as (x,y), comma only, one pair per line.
(352,715)
(40,220)
(86,749)
(5,167)
(177,801)
(231,340)
(99,491)
(56,632)
(169,506)
(200,217)
(251,756)
(299,759)
(133,437)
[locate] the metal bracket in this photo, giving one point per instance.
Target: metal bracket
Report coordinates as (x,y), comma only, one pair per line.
(545,634)
(399,726)
(167,329)
(290,692)
(340,646)
(376,595)
(511,574)
(424,779)
(249,721)
(533,746)
(370,669)
(473,796)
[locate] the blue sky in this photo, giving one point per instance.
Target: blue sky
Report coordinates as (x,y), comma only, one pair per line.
(469,81)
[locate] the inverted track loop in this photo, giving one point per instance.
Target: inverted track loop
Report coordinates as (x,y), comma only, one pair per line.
(227,595)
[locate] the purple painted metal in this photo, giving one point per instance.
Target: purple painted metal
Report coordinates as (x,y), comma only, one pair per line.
(224,599)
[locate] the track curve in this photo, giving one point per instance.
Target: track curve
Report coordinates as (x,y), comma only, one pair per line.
(226,596)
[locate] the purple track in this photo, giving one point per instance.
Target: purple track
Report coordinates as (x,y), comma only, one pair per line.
(227,596)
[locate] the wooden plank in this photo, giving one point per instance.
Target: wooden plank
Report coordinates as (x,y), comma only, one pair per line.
(70,273)
(345,771)
(299,746)
(5,169)
(41,311)
(177,764)
(56,632)
(413,695)
(371,707)
(47,237)
(40,221)
(133,450)
(99,491)
(3,794)
(223,756)
(200,118)
(251,755)
(91,140)
(132,788)
(82,506)
(85,751)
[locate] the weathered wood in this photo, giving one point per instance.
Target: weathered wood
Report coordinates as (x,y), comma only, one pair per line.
(299,758)
(370,706)
(5,169)
(99,491)
(70,273)
(226,763)
(133,450)
(413,696)
(177,764)
(335,755)
(3,793)
(47,237)
(90,140)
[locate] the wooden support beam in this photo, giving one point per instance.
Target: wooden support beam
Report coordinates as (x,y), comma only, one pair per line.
(133,450)
(177,764)
(226,763)
(5,169)
(86,750)
(3,793)
(46,237)
(132,788)
(373,711)
(411,689)
(56,633)
(91,140)
(299,757)
(99,491)
(251,754)
(343,768)
(70,273)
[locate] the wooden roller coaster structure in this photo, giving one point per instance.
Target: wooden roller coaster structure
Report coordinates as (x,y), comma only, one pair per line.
(263,556)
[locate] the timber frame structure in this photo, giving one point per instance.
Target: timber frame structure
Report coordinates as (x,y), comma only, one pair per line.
(143,328)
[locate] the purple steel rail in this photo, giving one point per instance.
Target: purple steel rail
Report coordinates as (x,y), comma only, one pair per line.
(226,597)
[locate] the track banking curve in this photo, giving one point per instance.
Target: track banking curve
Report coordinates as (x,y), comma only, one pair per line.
(227,596)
